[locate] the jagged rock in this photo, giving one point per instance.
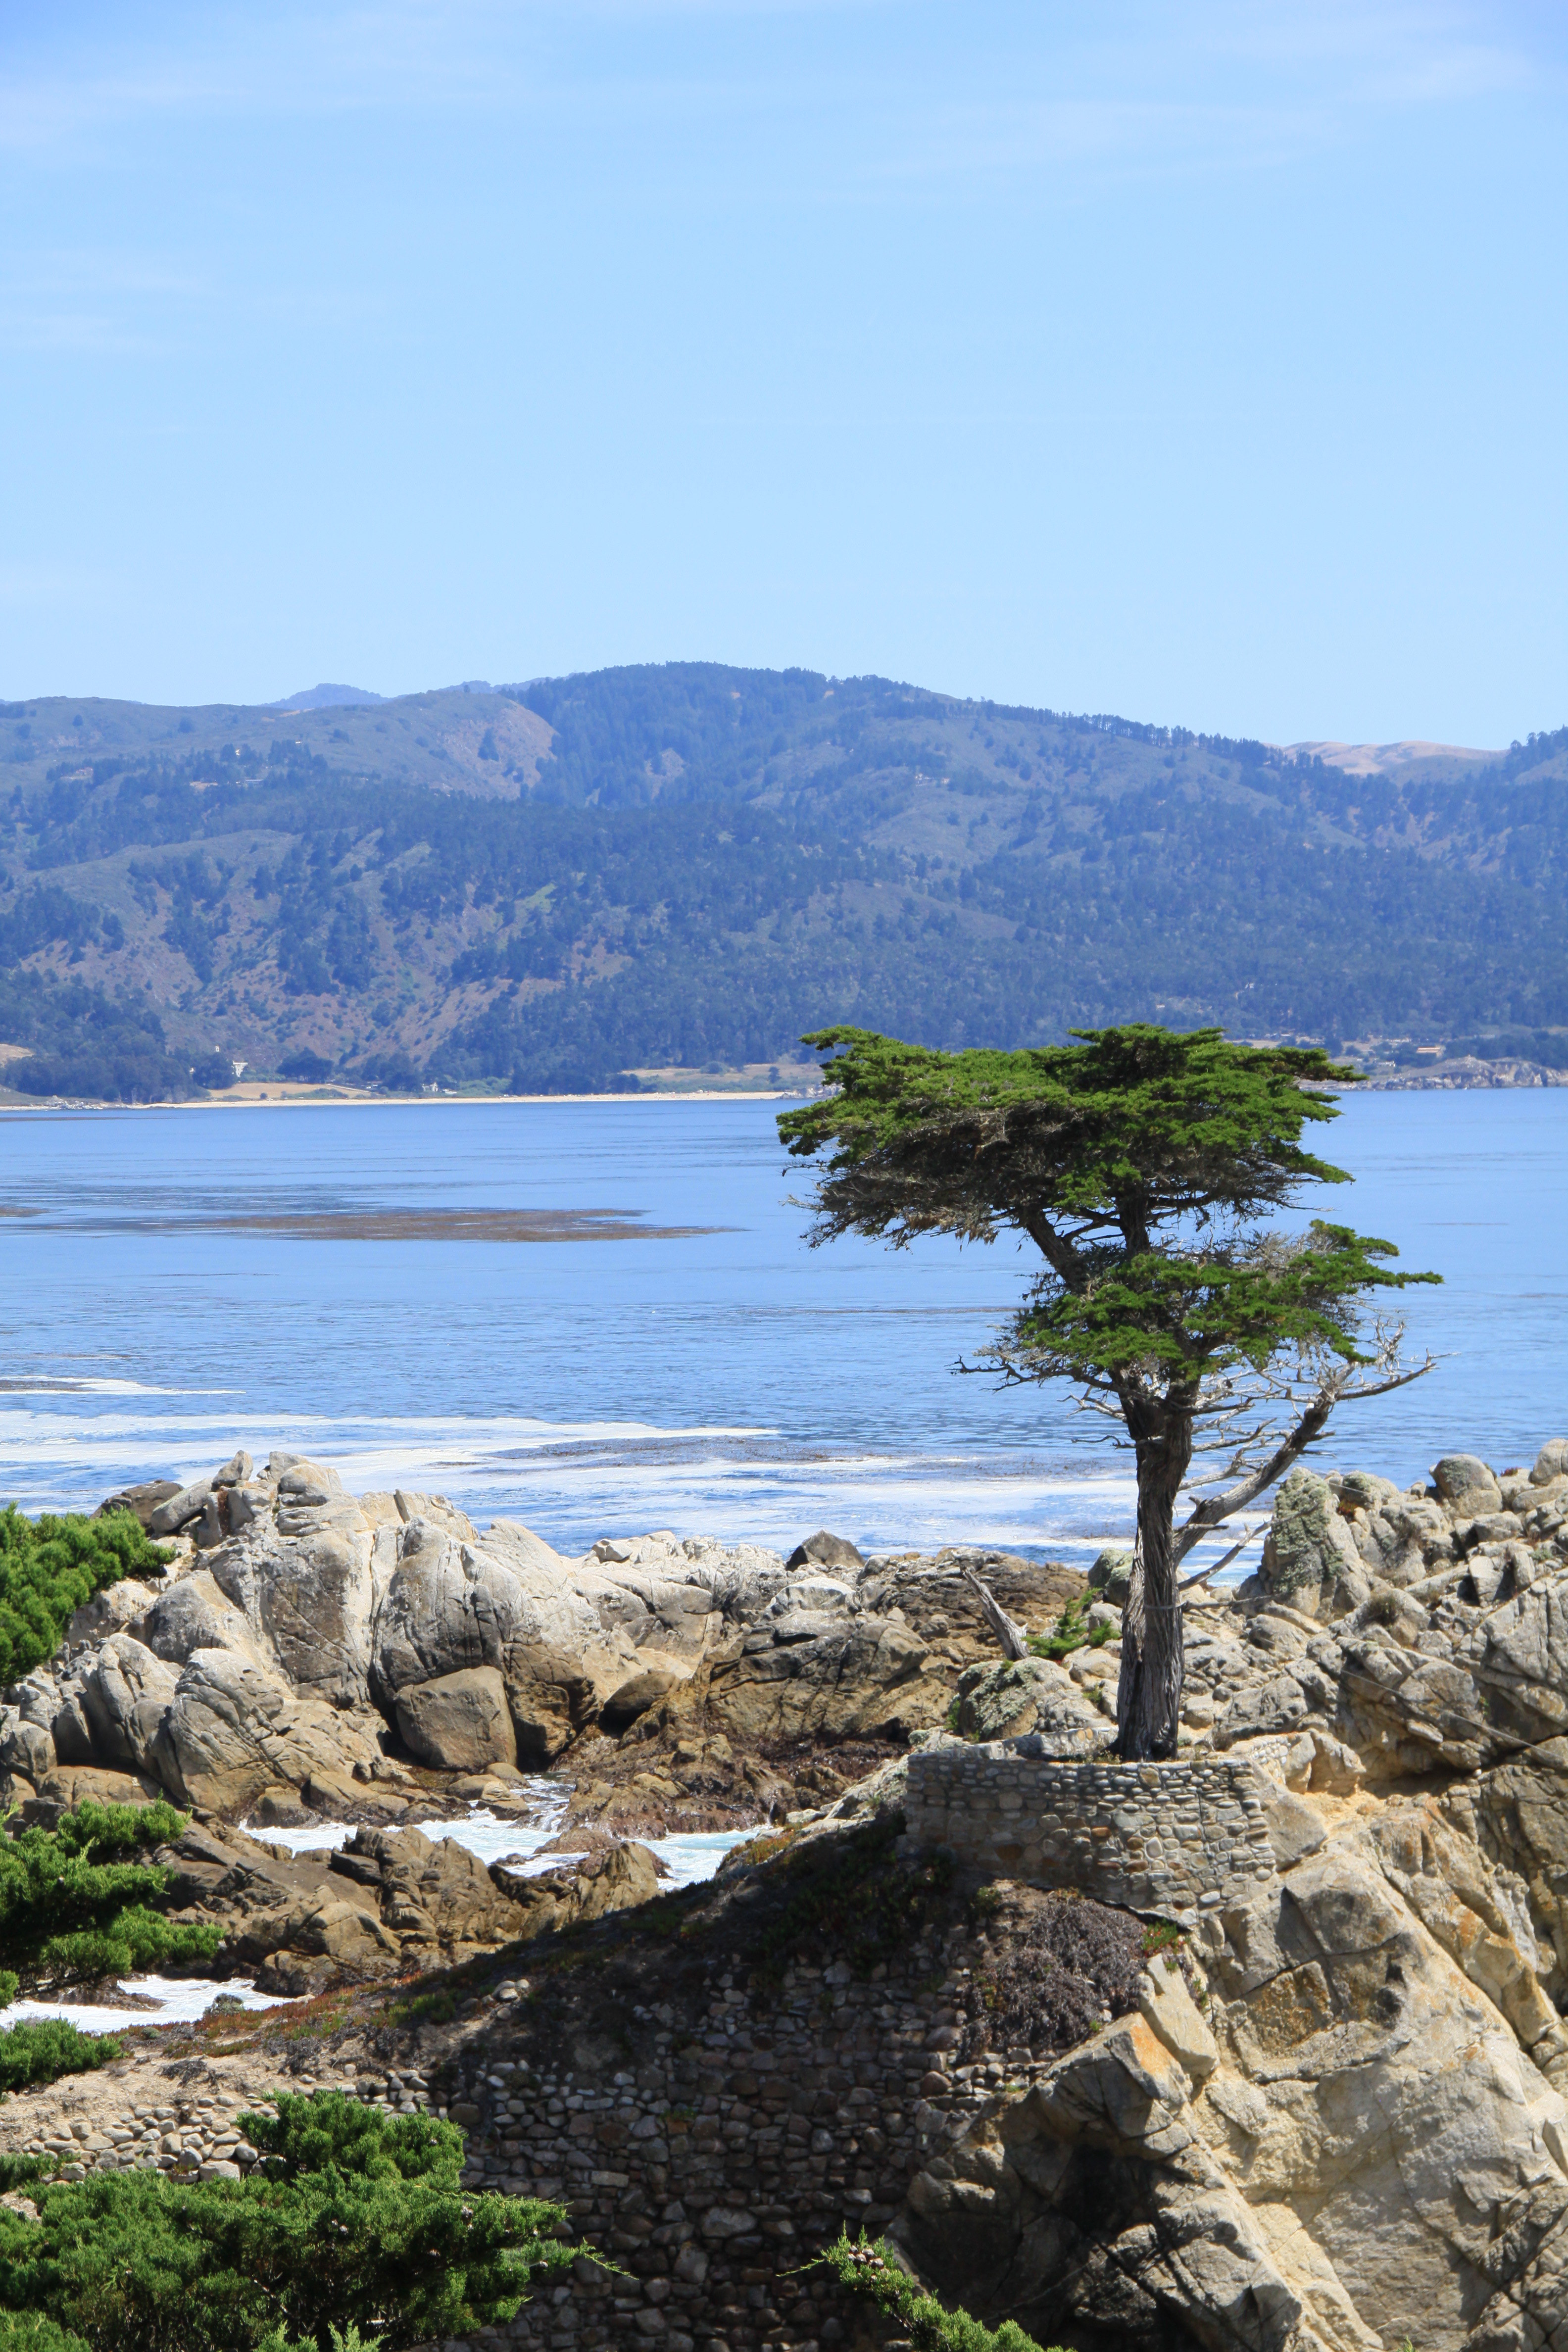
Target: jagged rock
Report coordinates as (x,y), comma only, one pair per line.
(826,1678)
(1028,1694)
(115,1610)
(70,1785)
(70,1728)
(437,1511)
(1337,2007)
(194,1614)
(307,1600)
(1274,1706)
(435,1892)
(125,1697)
(1520,1812)
(1295,1827)
(1551,1463)
(824,1550)
(1519,1659)
(1308,1761)
(451,1605)
(231,1729)
(633,1698)
(1465,1485)
(326,1928)
(459,1722)
(189,1503)
(552,1699)
(934,1599)
(1411,1709)
(25,1746)
(1310,1556)
(616,1880)
(1166,2005)
(141,1501)
(1480,1915)
(1112,1574)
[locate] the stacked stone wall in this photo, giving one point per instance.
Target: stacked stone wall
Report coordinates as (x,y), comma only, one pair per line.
(712,2174)
(1174,1838)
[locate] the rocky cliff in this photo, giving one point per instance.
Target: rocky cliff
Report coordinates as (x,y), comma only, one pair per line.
(1264,2049)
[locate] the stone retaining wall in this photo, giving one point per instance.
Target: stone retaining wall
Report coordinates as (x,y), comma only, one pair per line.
(1173,1838)
(713,2172)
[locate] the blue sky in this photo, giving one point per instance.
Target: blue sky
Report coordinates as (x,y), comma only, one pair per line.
(1204,363)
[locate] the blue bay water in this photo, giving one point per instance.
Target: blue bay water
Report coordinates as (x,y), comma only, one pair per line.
(729,1381)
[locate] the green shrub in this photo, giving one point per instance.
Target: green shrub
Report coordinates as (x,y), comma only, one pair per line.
(852,1896)
(44,2050)
(356,2220)
(1068,1633)
(20,2171)
(49,1566)
(75,1901)
(872,2270)
(30,2331)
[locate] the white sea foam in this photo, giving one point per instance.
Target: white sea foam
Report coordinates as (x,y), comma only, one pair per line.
(180,2000)
(495,1838)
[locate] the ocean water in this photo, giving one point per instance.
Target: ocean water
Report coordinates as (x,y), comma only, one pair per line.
(601,1317)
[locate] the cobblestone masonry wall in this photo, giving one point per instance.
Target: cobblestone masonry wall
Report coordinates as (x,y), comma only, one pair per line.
(1174,1838)
(712,2173)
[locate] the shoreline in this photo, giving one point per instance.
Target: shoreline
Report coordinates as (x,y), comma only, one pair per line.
(398,1102)
(1470,1078)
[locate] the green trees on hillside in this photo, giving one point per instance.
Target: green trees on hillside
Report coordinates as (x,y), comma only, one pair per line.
(703,842)
(1142,1165)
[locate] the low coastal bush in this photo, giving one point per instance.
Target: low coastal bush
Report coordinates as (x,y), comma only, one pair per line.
(1072,1965)
(43,2050)
(1069,1634)
(851,1898)
(355,2220)
(76,1902)
(869,2270)
(49,1566)
(30,2331)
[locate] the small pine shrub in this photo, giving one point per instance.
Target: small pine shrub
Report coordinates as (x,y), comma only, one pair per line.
(30,2331)
(48,2047)
(869,2270)
(1069,1634)
(49,1566)
(77,1902)
(355,2230)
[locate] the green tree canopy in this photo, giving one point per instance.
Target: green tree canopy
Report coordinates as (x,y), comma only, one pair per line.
(49,1566)
(80,1901)
(357,2219)
(1141,1162)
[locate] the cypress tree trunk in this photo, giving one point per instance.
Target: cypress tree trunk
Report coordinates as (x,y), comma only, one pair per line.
(1148,1691)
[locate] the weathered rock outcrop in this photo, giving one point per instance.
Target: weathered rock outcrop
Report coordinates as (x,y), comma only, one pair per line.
(231,1729)
(1029,1694)
(460,1722)
(833,1677)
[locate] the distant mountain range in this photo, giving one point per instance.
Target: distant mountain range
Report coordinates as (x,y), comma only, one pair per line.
(683,867)
(325,697)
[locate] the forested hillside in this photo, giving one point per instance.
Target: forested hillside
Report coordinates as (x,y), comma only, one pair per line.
(547,886)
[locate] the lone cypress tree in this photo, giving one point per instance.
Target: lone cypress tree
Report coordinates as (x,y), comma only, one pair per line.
(1141,1162)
